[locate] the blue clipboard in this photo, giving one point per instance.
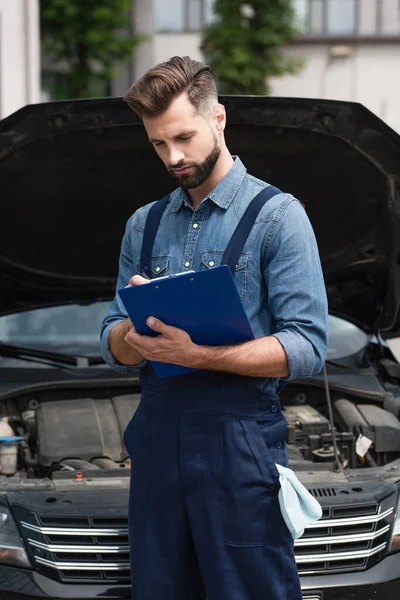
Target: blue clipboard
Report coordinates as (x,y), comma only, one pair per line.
(206,304)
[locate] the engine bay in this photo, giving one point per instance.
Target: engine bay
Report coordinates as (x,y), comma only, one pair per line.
(65,432)
(82,431)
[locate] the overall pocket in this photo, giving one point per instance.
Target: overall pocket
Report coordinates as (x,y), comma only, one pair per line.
(212,258)
(250,480)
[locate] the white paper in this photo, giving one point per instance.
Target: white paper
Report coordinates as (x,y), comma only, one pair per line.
(363,444)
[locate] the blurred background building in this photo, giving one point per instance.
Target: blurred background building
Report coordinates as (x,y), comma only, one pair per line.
(19,54)
(352,52)
(351,48)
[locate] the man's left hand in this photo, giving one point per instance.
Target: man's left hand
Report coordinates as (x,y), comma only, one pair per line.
(172,346)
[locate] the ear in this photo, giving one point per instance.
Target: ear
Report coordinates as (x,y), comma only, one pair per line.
(220,117)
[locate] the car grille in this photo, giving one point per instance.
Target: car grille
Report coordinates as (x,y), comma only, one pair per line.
(89,549)
(347,538)
(70,549)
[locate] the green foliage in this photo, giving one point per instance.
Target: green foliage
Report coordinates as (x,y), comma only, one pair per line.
(243,44)
(86,38)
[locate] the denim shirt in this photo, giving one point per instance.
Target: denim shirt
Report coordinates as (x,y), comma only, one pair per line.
(278,274)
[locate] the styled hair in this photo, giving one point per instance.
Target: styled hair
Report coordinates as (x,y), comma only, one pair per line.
(153,93)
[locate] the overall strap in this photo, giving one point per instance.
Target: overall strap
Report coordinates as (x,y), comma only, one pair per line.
(149,235)
(242,231)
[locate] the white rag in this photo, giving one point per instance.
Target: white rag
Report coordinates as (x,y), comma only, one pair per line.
(298,507)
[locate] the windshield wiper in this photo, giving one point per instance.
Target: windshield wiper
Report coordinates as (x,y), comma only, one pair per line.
(47,357)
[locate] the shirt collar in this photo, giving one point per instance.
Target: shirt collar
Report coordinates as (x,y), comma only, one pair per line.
(223,193)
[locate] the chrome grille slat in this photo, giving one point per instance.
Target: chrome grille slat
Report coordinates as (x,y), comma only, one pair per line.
(80,566)
(87,531)
(337,556)
(351,520)
(342,539)
(94,549)
(96,566)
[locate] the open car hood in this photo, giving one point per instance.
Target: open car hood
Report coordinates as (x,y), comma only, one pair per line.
(72,172)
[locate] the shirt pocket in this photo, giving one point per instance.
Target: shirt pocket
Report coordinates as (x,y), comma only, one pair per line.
(212,258)
(159,266)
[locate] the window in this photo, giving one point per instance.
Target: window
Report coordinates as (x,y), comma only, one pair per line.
(301,7)
(368,17)
(344,338)
(341,16)
(169,16)
(314,17)
(348,17)
(390,17)
(182,15)
(71,329)
(195,19)
(327,17)
(209,15)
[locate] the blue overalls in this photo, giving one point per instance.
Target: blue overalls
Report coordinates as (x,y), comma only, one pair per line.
(204,516)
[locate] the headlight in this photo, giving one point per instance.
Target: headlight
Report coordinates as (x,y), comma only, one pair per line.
(12,551)
(395,545)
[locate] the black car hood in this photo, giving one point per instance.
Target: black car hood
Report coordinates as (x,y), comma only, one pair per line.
(72,172)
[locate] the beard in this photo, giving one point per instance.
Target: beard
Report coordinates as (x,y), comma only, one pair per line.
(200,172)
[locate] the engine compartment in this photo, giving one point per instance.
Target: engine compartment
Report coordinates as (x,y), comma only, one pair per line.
(69,431)
(83,429)
(66,432)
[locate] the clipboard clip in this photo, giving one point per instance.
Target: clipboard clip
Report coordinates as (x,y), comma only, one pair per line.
(145,276)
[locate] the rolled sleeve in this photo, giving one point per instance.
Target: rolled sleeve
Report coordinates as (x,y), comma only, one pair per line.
(109,358)
(296,291)
(299,353)
(116,312)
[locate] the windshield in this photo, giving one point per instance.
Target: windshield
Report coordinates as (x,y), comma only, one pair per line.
(70,329)
(75,330)
(344,338)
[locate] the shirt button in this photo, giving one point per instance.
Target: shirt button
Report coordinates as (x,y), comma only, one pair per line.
(195,225)
(158,269)
(211,263)
(187,264)
(274,408)
(278,445)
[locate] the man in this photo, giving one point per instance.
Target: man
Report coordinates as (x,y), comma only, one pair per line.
(204,505)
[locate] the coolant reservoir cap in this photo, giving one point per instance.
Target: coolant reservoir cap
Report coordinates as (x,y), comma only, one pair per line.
(11,439)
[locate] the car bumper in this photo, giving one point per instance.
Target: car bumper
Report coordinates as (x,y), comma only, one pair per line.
(381,582)
(21,584)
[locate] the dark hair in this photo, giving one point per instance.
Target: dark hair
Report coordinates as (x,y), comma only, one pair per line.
(153,93)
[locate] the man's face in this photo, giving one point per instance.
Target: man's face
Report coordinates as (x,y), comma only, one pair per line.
(187,143)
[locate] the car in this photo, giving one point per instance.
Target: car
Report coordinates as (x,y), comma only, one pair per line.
(71,174)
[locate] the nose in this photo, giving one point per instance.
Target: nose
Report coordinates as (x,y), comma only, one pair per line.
(175,156)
